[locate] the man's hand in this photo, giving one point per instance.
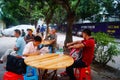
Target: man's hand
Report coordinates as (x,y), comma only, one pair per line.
(68,44)
(52,41)
(70,47)
(15,48)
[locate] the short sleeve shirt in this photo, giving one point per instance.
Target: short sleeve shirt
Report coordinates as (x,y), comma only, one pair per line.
(52,37)
(29,48)
(20,44)
(42,29)
(88,51)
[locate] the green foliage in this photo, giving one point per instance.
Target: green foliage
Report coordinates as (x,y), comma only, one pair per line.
(13,13)
(109,6)
(106,48)
(87,8)
(59,16)
(103,38)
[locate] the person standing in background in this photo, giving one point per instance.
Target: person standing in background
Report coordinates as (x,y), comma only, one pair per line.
(38,32)
(42,30)
(23,33)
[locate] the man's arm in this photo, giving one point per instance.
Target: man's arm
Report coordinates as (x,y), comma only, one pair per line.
(52,41)
(81,45)
(31,54)
(16,49)
(72,43)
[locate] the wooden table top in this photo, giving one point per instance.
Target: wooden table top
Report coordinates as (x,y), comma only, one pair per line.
(49,61)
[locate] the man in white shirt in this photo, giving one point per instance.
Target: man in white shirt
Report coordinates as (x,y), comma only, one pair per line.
(32,47)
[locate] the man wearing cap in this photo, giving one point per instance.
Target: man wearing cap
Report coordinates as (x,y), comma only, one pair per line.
(30,36)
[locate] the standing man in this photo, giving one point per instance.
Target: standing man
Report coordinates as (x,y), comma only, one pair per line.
(87,45)
(42,30)
(30,36)
(23,33)
(18,48)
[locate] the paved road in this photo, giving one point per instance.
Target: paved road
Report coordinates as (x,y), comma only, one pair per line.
(8,42)
(5,43)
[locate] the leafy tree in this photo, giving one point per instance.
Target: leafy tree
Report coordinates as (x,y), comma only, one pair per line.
(59,16)
(74,9)
(13,13)
(66,10)
(112,7)
(57,11)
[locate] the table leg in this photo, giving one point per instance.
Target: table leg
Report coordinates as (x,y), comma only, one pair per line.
(45,75)
(40,74)
(54,76)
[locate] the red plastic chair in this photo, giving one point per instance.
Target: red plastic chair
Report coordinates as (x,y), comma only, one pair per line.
(12,76)
(83,73)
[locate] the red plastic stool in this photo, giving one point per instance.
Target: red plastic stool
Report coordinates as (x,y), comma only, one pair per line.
(83,73)
(12,76)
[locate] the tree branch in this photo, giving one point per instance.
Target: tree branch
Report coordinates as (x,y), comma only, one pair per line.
(77,4)
(64,4)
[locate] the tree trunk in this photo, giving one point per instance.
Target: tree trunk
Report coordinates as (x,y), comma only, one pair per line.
(70,20)
(47,31)
(68,33)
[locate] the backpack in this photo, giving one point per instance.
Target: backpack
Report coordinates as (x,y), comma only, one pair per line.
(16,65)
(76,54)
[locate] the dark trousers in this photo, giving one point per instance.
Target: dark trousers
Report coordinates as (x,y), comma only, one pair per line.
(77,64)
(42,33)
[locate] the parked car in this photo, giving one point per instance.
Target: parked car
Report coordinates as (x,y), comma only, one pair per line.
(10,31)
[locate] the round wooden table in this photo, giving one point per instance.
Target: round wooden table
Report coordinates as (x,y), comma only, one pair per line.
(49,62)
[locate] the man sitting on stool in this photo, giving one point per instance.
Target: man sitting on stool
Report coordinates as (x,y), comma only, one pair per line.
(87,45)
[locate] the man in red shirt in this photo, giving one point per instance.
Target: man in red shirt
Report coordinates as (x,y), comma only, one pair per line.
(87,45)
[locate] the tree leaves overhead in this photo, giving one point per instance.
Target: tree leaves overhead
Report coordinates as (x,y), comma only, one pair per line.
(13,13)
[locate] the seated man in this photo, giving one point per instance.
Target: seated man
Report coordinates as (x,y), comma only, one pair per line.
(87,46)
(29,37)
(18,49)
(32,47)
(53,38)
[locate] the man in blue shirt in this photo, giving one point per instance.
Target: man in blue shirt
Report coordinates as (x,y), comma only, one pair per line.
(18,48)
(20,43)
